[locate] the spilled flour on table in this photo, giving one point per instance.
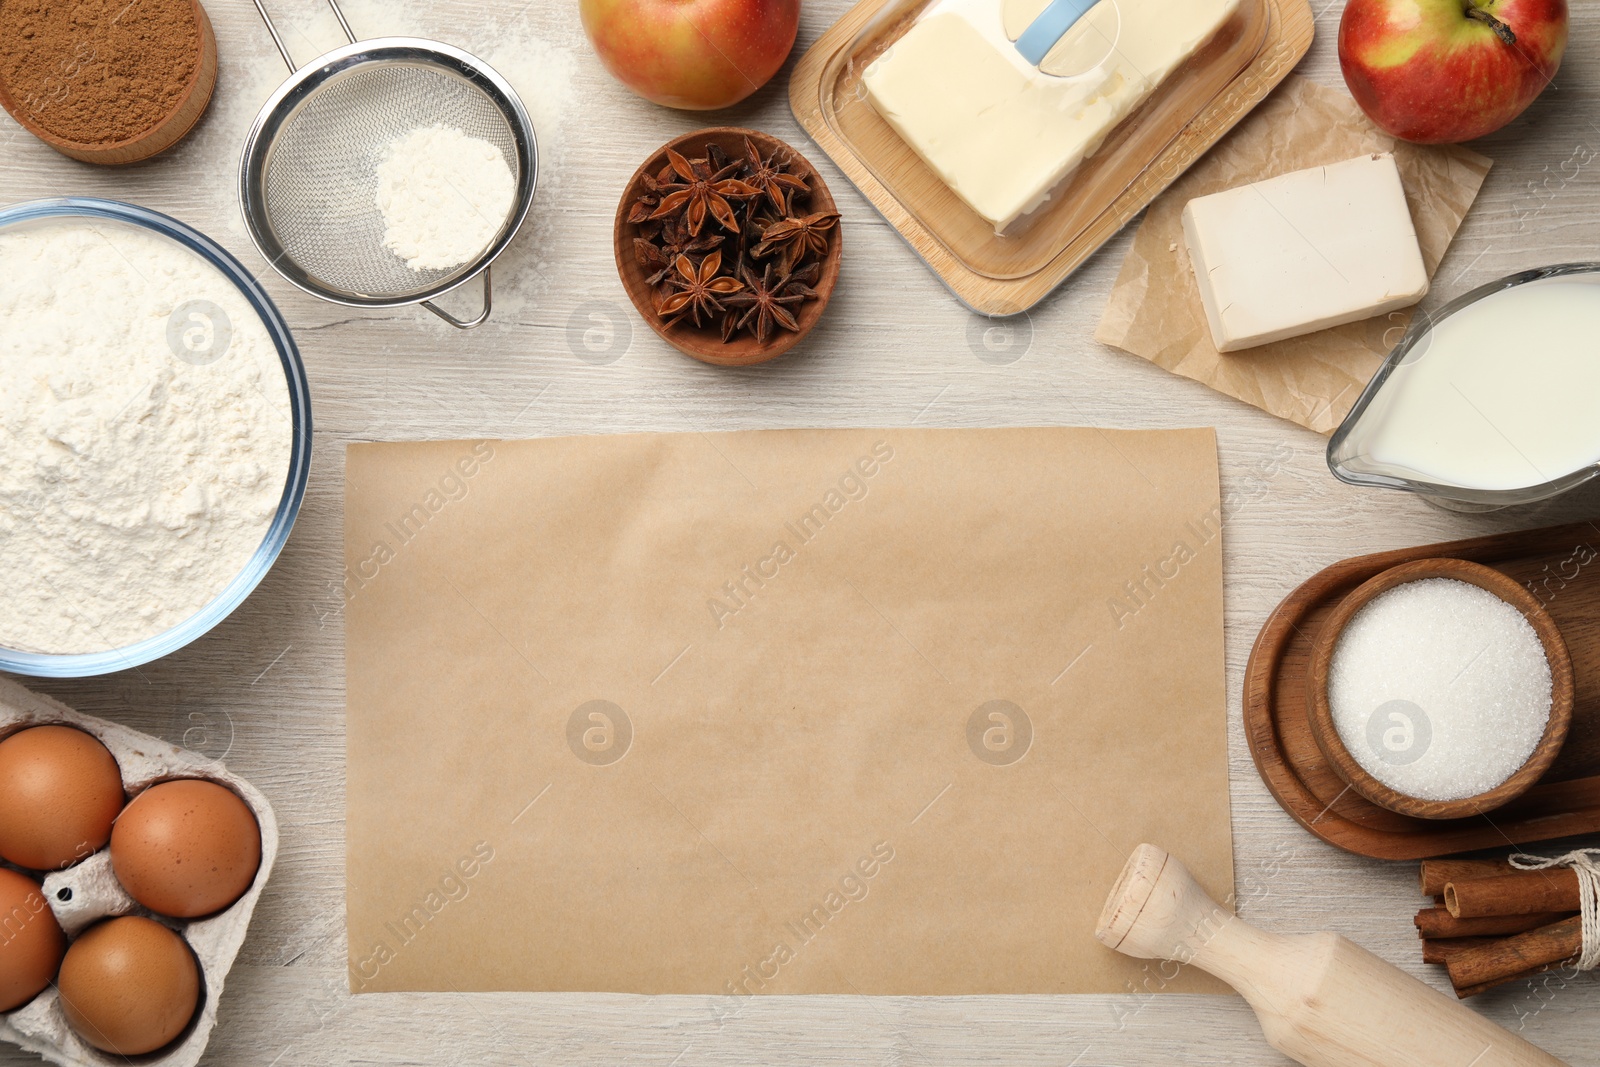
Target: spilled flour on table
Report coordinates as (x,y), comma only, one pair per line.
(543,76)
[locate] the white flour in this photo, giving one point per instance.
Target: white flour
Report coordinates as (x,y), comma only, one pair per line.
(134,484)
(444,196)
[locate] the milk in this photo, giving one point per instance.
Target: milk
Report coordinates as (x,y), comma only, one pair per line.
(1502,395)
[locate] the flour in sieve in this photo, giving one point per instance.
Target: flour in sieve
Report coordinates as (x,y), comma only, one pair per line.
(134,484)
(444,196)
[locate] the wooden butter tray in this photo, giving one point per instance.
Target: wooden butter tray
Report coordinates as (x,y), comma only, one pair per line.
(1560,565)
(1147,153)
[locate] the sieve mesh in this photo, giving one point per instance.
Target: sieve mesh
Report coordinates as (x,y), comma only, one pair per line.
(321,183)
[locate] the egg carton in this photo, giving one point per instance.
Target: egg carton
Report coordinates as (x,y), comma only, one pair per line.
(89,891)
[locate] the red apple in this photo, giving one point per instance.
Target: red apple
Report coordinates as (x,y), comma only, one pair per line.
(1442,71)
(695,54)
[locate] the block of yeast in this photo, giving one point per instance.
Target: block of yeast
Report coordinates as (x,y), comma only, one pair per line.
(1304,251)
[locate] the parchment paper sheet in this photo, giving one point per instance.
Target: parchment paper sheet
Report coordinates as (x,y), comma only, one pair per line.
(1155,309)
(716,713)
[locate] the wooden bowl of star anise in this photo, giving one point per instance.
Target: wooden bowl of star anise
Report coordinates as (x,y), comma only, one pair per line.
(728,244)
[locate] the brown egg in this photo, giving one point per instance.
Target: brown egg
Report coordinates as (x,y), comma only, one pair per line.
(61,792)
(129,985)
(186,848)
(31,943)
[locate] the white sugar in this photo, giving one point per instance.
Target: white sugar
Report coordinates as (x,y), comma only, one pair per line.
(1439,689)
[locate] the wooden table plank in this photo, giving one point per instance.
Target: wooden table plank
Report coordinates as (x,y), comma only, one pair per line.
(267,686)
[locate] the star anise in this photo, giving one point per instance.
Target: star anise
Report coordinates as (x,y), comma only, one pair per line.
(676,240)
(768,176)
(640,210)
(697,290)
(765,305)
(649,256)
(801,281)
(702,191)
(754,267)
(658,252)
(755,224)
(794,238)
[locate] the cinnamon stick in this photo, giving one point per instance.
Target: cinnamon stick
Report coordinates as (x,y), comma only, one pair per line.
(1437,950)
(1511,956)
(1463,992)
(1439,923)
(1435,873)
(1522,893)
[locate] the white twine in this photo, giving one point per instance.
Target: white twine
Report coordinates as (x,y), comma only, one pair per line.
(1585,863)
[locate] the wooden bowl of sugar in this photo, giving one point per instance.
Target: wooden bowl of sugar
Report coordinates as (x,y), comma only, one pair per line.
(1440,689)
(107,81)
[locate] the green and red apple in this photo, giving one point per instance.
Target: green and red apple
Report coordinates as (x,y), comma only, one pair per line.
(1443,71)
(693,54)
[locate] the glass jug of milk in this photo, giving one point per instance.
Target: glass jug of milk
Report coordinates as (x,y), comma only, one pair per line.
(1492,400)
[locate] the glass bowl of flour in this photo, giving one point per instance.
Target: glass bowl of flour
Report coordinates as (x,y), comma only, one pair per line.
(157,436)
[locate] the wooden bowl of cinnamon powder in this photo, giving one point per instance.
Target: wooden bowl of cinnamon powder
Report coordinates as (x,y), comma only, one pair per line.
(106,81)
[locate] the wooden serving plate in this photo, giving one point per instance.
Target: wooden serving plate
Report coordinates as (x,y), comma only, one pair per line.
(1560,566)
(1007,276)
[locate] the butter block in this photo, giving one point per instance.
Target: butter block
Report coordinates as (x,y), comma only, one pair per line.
(1304,252)
(1002,133)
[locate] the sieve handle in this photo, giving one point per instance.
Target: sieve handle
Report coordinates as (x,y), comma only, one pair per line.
(283,49)
(343,22)
(277,38)
(468,324)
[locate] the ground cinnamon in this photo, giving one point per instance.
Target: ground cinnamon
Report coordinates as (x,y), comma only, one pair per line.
(97,71)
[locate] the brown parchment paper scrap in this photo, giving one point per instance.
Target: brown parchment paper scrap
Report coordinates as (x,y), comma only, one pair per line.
(809,711)
(1155,310)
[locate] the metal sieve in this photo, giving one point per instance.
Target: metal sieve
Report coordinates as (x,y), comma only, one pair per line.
(308,182)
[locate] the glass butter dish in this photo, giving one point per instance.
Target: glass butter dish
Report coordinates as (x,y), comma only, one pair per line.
(1144,140)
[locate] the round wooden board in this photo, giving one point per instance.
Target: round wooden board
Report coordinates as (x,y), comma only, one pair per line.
(1565,802)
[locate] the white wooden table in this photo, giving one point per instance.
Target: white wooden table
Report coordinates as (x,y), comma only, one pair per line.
(564,354)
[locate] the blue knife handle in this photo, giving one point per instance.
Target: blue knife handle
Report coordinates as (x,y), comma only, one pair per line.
(1051,25)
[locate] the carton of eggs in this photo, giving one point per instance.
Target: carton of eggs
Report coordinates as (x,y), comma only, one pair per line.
(122,910)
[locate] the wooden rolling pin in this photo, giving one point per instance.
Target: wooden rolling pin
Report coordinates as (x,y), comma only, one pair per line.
(1321,999)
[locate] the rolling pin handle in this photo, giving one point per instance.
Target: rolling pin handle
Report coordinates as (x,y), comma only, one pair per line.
(1320,999)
